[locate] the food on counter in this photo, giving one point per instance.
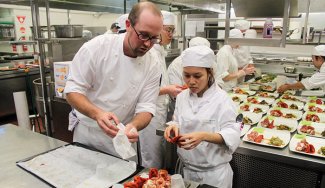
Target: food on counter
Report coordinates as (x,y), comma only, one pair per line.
(276,113)
(293,106)
(252,100)
(245,107)
(321,150)
(235,99)
(282,104)
(247,121)
(257,110)
(264,102)
(313,108)
(267,123)
(304,146)
(317,101)
(308,129)
(255,137)
(276,141)
(291,98)
(283,127)
(313,118)
(323,133)
(157,178)
(267,88)
(240,91)
(266,78)
(265,94)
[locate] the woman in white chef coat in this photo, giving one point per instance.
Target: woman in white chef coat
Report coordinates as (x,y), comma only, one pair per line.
(227,65)
(151,145)
(204,119)
(315,81)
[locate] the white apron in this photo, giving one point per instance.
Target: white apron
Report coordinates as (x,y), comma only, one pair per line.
(151,145)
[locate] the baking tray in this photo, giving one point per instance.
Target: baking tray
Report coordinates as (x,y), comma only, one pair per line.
(138,167)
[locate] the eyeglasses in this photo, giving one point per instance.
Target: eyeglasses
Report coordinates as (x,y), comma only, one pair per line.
(144,38)
(170,30)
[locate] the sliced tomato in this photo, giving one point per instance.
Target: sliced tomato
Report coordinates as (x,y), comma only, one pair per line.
(139,180)
(163,174)
(259,138)
(130,185)
(153,172)
(319,101)
(175,139)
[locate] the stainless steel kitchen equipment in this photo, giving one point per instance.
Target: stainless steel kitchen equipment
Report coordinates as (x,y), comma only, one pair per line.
(68,31)
(289,69)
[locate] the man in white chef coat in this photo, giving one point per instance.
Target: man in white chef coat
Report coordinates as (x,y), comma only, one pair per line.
(315,81)
(115,78)
(151,144)
(227,65)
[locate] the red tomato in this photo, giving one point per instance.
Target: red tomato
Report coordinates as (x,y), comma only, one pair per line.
(153,172)
(130,185)
(259,138)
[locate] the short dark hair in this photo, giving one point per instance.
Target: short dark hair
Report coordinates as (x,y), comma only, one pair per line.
(114,25)
(139,7)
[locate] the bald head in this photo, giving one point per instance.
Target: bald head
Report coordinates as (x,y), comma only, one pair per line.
(139,7)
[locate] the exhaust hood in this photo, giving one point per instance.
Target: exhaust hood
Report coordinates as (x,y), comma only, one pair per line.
(264,8)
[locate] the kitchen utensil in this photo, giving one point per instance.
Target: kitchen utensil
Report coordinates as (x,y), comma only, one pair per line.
(68,31)
(239,119)
(289,69)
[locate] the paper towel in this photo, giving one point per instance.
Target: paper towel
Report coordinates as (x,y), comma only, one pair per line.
(22,111)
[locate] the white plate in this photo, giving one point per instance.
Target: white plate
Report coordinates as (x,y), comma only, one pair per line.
(267,134)
(255,117)
(306,107)
(241,98)
(318,128)
(264,108)
(249,92)
(279,120)
(244,130)
(269,101)
(293,98)
(316,142)
(267,94)
(285,111)
(317,93)
(299,104)
(320,115)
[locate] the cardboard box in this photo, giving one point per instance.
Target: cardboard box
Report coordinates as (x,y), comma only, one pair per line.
(61,72)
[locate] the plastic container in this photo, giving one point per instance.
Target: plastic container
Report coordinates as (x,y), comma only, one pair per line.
(268,28)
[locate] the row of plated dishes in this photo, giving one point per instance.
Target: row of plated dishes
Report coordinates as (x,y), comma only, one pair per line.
(271,118)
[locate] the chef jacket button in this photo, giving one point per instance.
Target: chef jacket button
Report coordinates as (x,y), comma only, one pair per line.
(115,55)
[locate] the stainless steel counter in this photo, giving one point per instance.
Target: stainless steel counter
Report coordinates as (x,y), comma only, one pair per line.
(17,143)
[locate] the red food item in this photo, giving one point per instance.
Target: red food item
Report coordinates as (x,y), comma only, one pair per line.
(266,123)
(160,182)
(130,185)
(304,146)
(252,100)
(251,136)
(315,109)
(276,113)
(308,129)
(319,101)
(245,107)
(175,140)
(163,174)
(259,138)
(184,86)
(153,172)
(313,118)
(257,110)
(282,104)
(139,180)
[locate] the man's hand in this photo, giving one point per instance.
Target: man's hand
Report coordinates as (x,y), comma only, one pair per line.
(107,121)
(283,88)
(131,132)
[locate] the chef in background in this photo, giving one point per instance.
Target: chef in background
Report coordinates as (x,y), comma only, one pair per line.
(151,145)
(114,29)
(204,119)
(115,79)
(121,23)
(317,80)
(227,64)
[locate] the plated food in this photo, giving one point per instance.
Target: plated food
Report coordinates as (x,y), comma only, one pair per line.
(237,98)
(256,108)
(266,78)
(295,105)
(285,113)
(314,117)
(312,107)
(307,145)
(267,137)
(156,178)
(278,123)
(312,128)
(267,94)
(316,100)
(293,98)
(260,100)
(243,91)
(267,87)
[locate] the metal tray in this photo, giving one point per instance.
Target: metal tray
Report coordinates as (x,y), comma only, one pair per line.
(138,168)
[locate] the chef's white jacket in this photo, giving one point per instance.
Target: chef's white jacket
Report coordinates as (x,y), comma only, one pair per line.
(214,112)
(226,64)
(243,56)
(151,144)
(317,80)
(113,81)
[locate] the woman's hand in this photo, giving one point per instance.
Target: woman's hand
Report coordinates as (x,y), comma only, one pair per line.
(191,140)
(170,132)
